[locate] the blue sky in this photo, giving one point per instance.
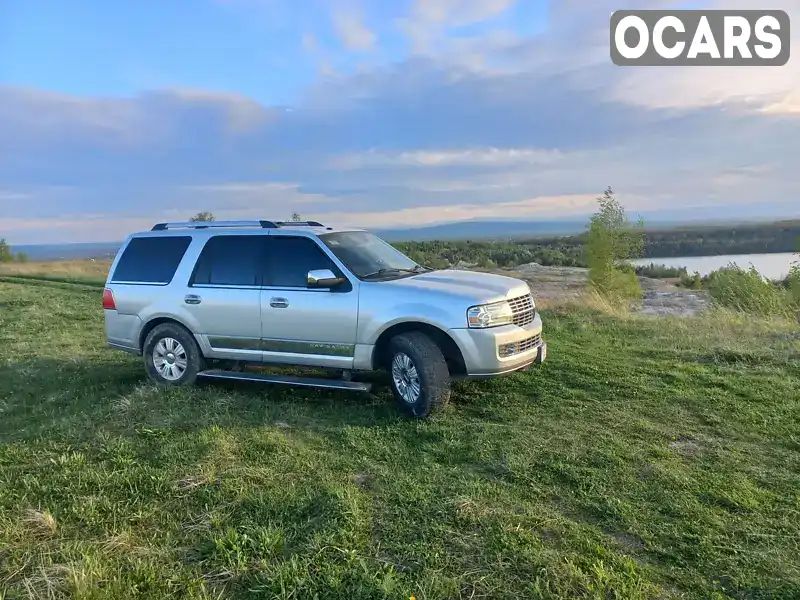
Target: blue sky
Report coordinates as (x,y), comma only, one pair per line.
(115,115)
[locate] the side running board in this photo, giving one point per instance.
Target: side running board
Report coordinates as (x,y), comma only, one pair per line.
(314,382)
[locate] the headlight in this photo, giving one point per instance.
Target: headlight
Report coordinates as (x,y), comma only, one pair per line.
(490,315)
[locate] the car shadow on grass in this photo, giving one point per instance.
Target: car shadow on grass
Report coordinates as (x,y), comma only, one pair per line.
(50,397)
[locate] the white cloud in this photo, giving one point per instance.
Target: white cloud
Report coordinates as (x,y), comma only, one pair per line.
(575,205)
(6,196)
(429,19)
(498,157)
(353,32)
(242,196)
(101,227)
(775,90)
(457,13)
(312,47)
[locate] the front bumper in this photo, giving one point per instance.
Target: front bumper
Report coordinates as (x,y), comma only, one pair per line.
(500,350)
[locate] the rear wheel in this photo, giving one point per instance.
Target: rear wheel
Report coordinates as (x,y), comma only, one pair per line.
(418,373)
(171,355)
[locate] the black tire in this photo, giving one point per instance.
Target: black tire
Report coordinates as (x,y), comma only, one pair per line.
(432,372)
(193,357)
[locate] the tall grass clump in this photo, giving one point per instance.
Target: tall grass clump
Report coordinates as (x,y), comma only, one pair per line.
(746,290)
(611,243)
(693,282)
(794,283)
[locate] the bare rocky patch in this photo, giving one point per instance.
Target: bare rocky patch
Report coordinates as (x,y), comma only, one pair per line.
(569,284)
(675,302)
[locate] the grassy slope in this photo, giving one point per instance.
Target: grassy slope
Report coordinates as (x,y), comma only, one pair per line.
(88,272)
(644,460)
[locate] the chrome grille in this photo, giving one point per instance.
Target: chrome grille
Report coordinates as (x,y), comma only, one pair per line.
(523,310)
(506,350)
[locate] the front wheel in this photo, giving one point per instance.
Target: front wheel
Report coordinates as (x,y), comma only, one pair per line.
(171,355)
(419,376)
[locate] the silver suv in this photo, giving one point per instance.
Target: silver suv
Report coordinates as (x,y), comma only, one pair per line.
(219,299)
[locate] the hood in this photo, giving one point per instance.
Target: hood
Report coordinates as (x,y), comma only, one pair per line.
(475,287)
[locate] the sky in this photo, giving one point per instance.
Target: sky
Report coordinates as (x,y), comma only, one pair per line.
(372,113)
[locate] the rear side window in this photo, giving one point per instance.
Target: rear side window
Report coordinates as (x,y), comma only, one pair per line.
(151,259)
(231,260)
(291,258)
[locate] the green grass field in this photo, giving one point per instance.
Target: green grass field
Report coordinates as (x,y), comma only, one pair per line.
(645,459)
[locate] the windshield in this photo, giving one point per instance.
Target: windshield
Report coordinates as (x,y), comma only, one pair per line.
(365,254)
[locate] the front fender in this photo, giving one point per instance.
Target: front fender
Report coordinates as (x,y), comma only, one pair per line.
(371,325)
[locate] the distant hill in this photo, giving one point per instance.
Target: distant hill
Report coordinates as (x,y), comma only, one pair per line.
(483,230)
(508,229)
(104,250)
(499,229)
(448,231)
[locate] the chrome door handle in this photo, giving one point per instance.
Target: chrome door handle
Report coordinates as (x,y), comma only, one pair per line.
(278,302)
(192,299)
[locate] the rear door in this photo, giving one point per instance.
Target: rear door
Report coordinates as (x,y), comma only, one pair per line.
(302,325)
(224,295)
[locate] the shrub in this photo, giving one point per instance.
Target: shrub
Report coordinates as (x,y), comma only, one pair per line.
(693,282)
(793,285)
(660,271)
(611,244)
(793,282)
(746,290)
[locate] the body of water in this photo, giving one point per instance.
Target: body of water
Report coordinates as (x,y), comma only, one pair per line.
(772,266)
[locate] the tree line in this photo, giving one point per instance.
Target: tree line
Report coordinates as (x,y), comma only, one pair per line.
(708,240)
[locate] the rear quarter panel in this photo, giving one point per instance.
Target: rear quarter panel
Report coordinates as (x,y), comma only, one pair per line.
(137,304)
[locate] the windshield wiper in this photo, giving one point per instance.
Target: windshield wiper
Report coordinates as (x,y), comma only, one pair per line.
(385,270)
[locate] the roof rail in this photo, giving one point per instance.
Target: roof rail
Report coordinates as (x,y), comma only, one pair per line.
(299,224)
(207,224)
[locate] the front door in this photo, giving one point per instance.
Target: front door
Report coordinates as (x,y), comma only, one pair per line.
(224,296)
(302,325)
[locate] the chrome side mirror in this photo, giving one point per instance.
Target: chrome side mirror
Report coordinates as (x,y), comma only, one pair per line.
(323,278)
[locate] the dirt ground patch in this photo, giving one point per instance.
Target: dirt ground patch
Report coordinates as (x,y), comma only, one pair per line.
(565,284)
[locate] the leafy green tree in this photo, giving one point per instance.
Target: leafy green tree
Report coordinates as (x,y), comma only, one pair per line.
(203,216)
(611,242)
(5,251)
(21,257)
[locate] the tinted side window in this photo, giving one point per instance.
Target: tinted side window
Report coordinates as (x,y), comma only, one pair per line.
(230,260)
(291,258)
(151,259)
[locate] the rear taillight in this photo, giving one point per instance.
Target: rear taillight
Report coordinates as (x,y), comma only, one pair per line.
(108,299)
